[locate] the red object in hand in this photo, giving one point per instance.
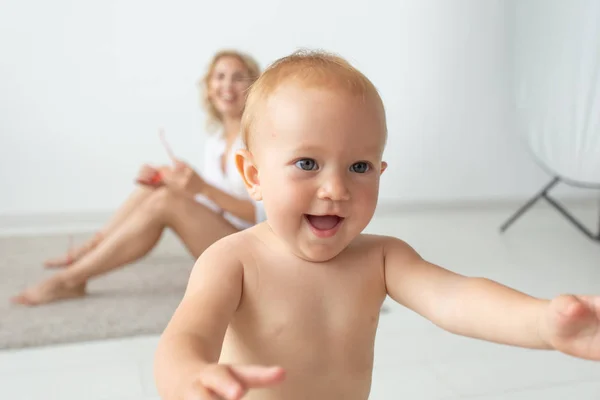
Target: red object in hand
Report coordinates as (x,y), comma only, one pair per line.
(156,178)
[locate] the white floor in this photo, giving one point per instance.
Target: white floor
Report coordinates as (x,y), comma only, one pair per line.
(542,254)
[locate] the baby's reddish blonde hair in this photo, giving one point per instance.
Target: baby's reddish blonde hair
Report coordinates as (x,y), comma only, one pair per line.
(310,69)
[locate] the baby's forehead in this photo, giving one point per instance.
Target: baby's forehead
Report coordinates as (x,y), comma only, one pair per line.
(308,112)
(314,99)
(322,130)
(293,103)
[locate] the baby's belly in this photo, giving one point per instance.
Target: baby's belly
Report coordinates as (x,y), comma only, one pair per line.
(321,362)
(317,390)
(315,378)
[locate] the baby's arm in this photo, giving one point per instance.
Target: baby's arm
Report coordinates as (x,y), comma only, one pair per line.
(193,337)
(474,307)
(187,356)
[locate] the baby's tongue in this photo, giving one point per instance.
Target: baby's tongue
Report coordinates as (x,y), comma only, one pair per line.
(323,222)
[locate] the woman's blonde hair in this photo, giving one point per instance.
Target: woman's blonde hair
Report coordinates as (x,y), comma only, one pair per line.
(214,120)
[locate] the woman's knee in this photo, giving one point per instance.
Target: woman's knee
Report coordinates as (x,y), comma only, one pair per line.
(161,200)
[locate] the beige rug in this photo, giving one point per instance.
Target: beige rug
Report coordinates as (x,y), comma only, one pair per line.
(136,300)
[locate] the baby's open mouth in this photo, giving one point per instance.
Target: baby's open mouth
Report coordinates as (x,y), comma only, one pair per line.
(324,222)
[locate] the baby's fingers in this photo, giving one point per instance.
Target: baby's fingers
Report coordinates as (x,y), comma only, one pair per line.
(570,318)
(199,392)
(223,383)
(258,376)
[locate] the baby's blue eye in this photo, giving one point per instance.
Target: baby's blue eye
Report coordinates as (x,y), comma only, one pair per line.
(359,167)
(307,164)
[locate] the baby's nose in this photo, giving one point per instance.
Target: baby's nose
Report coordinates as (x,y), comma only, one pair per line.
(334,189)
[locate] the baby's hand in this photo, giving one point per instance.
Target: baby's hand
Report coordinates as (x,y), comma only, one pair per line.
(572,325)
(218,381)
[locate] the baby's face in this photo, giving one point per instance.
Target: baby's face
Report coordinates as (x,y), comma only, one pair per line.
(318,154)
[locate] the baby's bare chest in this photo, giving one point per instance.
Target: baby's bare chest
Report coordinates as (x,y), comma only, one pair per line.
(317,321)
(314,313)
(317,293)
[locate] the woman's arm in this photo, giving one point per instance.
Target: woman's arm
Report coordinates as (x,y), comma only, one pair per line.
(241,208)
(184,178)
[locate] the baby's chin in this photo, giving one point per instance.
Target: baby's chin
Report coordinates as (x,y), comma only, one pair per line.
(319,253)
(309,247)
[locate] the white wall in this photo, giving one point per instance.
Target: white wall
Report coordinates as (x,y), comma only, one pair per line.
(84,87)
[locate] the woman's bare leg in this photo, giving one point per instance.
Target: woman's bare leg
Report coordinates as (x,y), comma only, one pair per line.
(140,194)
(197,226)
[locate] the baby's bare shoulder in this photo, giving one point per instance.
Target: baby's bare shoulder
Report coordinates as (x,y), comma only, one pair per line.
(223,256)
(235,244)
(367,241)
(379,246)
(240,246)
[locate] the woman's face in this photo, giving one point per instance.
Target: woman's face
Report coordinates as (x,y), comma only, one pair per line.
(227,87)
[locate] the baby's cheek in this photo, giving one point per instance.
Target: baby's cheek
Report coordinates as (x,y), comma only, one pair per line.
(293,196)
(282,197)
(366,198)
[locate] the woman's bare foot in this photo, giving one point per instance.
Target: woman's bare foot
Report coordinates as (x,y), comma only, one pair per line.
(52,289)
(73,254)
(62,261)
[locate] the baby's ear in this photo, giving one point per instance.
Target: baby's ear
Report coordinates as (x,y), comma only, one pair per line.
(247,169)
(383,166)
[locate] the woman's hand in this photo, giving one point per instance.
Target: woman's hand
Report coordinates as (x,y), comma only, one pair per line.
(148,175)
(183,178)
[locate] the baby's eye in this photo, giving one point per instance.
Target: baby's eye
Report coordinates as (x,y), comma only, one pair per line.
(307,164)
(360,167)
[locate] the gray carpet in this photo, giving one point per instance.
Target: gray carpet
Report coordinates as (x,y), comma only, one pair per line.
(136,300)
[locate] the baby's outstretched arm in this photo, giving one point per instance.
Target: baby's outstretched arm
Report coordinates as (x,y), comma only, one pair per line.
(484,309)
(186,362)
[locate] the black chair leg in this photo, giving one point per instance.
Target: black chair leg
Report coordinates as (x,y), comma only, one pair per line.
(529,204)
(570,217)
(545,195)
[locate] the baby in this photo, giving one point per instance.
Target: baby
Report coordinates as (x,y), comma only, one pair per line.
(288,309)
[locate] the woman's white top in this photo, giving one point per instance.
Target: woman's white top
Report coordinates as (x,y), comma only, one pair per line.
(229,181)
